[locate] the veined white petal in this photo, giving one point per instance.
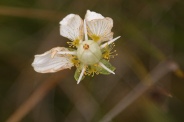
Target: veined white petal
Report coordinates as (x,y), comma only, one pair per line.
(71,27)
(91,15)
(47,63)
(100,29)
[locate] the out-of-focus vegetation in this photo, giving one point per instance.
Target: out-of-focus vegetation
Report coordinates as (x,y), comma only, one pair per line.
(151,44)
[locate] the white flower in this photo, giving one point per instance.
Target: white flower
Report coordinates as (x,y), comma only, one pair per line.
(90,56)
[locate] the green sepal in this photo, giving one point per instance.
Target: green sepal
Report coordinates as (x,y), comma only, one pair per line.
(77,74)
(108,65)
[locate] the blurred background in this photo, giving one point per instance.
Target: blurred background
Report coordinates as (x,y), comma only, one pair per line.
(148,85)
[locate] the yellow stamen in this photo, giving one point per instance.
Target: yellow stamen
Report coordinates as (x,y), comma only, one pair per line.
(74,43)
(95,38)
(92,70)
(75,61)
(108,52)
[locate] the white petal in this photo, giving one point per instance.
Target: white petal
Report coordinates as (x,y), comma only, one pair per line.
(100,29)
(91,15)
(45,64)
(71,27)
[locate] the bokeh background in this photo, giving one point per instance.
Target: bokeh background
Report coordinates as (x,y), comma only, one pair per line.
(148,85)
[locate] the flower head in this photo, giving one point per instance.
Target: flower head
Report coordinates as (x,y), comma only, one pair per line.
(90,55)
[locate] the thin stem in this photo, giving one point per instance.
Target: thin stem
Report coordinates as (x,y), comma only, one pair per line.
(35,98)
(102,65)
(85,31)
(160,71)
(81,75)
(109,42)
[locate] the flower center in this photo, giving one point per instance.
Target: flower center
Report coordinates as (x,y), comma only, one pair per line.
(89,52)
(85,46)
